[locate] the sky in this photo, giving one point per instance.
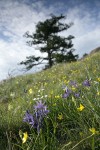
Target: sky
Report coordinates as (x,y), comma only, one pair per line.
(19,16)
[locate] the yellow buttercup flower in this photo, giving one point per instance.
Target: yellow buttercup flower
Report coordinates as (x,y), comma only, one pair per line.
(98,79)
(30,91)
(66,81)
(80,108)
(73,88)
(57,96)
(98,93)
(60,116)
(25,137)
(93,130)
(54,104)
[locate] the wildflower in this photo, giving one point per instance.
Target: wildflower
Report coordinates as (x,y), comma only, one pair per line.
(25,137)
(57,96)
(67,93)
(86,83)
(73,88)
(45,96)
(40,112)
(12,94)
(98,79)
(77,95)
(34,98)
(29,118)
(82,96)
(60,116)
(36,119)
(41,109)
(93,131)
(66,82)
(30,91)
(54,104)
(42,89)
(10,107)
(80,108)
(73,83)
(30,102)
(98,93)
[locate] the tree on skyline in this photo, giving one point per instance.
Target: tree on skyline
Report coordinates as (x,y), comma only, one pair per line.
(58,48)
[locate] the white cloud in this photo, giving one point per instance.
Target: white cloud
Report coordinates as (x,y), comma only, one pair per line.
(17,17)
(86,29)
(88,41)
(15,20)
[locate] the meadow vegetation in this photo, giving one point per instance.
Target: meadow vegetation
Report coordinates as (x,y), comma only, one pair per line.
(55,109)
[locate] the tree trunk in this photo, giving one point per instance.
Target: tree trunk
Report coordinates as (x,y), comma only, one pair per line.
(50,60)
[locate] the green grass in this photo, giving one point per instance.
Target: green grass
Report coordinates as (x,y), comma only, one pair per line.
(64,127)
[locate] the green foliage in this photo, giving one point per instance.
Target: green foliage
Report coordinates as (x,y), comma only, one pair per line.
(68,57)
(54,45)
(31,61)
(67,125)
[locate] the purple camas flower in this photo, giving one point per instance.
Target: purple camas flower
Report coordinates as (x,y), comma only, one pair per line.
(39,106)
(73,83)
(29,118)
(77,95)
(67,93)
(35,120)
(40,112)
(41,109)
(86,83)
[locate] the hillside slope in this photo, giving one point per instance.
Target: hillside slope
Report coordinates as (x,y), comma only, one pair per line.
(71,93)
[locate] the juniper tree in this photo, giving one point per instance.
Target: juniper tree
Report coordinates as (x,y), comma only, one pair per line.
(50,42)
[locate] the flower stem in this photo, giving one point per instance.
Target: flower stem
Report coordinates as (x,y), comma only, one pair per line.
(93,144)
(81,142)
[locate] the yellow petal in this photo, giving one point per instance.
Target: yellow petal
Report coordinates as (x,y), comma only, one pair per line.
(25,137)
(93,130)
(60,116)
(30,91)
(80,108)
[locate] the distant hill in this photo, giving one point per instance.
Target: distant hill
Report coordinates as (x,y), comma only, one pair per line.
(95,50)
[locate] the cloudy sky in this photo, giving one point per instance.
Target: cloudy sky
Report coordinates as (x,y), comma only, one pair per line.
(19,16)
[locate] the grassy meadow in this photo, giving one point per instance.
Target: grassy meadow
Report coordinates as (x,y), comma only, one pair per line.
(55,109)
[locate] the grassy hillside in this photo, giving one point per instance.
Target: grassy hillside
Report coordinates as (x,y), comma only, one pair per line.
(67,115)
